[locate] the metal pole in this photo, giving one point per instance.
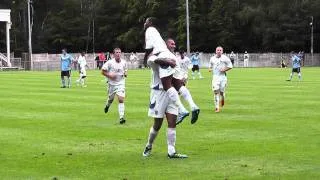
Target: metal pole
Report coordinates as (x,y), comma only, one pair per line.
(8,43)
(29,30)
(187,22)
(311,44)
(311,24)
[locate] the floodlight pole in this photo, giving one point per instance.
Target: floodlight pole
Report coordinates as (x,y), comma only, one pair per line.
(187,22)
(8,27)
(311,43)
(29,31)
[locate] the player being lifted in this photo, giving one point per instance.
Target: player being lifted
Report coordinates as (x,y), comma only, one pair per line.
(156,47)
(219,65)
(179,77)
(116,71)
(296,65)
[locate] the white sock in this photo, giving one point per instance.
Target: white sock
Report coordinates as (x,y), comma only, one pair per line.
(69,81)
(290,76)
(185,93)
(199,74)
(63,82)
(299,75)
(121,110)
(174,96)
(171,140)
(216,100)
(82,82)
(192,75)
(152,136)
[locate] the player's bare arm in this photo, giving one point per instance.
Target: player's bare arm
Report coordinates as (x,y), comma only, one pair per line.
(166,62)
(148,52)
(108,74)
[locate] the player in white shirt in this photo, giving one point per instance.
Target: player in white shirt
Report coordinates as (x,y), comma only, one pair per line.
(161,106)
(157,48)
(184,63)
(246,59)
(219,65)
(83,73)
(180,74)
(116,70)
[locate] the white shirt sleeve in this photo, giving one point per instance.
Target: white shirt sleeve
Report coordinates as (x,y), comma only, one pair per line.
(125,66)
(106,66)
(228,62)
(211,63)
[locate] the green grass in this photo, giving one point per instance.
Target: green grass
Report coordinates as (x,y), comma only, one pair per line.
(269,129)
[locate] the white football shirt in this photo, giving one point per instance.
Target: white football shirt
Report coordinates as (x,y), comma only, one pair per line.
(184,64)
(119,68)
(154,40)
(216,64)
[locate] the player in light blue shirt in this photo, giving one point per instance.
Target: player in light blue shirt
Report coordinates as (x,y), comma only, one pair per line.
(66,61)
(296,65)
(195,60)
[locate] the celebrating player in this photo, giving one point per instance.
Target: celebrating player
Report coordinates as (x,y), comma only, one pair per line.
(66,60)
(116,71)
(156,47)
(219,64)
(161,106)
(296,65)
(180,74)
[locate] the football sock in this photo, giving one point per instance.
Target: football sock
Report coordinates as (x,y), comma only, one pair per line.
(192,75)
(69,81)
(290,76)
(82,81)
(174,96)
(299,75)
(109,102)
(63,82)
(185,93)
(199,74)
(216,100)
(171,140)
(152,136)
(121,110)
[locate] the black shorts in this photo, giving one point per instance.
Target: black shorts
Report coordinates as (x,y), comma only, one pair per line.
(297,70)
(65,73)
(195,68)
(232,61)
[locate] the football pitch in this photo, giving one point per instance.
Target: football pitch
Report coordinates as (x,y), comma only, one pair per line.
(268,129)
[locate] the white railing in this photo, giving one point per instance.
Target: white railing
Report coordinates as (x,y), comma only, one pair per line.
(3,58)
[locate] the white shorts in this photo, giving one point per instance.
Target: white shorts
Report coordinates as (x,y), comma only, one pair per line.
(219,83)
(160,104)
(116,90)
(180,74)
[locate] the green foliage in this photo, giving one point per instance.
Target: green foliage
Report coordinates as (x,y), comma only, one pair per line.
(258,26)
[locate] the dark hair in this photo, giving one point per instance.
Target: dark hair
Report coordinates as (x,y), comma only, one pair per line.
(153,21)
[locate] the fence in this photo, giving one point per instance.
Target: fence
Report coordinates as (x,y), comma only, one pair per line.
(51,62)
